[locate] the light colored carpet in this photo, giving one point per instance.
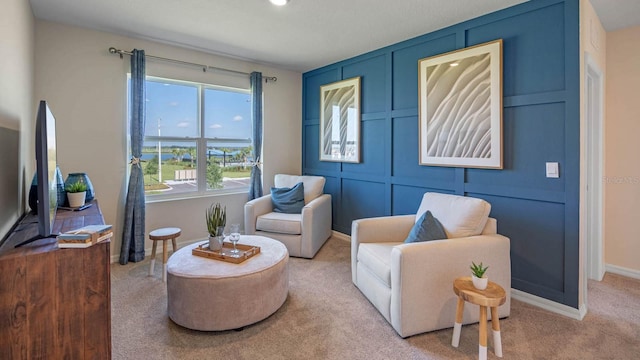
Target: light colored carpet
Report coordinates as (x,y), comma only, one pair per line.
(326,317)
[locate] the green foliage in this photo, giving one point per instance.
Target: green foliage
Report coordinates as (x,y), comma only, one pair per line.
(151,166)
(216,216)
(178,153)
(478,270)
(246,151)
(76,187)
(192,154)
(234,174)
(233,169)
(214,176)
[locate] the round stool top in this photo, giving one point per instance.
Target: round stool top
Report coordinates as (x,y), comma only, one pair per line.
(184,264)
(165,233)
(494,295)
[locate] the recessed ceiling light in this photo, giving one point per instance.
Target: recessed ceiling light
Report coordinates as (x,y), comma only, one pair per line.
(453,64)
(279,2)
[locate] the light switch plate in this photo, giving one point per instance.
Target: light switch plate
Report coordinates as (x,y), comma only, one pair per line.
(552,170)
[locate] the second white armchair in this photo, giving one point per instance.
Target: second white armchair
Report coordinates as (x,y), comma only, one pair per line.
(411,284)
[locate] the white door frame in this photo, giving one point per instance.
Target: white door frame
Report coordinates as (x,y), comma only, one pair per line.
(594,93)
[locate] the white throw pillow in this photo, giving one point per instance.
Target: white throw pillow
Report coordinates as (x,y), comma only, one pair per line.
(460,216)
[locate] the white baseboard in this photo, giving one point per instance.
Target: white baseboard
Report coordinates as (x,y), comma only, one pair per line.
(340,236)
(549,305)
(622,271)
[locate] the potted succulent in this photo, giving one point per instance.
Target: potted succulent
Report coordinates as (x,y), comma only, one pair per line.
(477,276)
(216,218)
(76,193)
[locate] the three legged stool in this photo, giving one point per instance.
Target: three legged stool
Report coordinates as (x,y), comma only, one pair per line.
(163,234)
(493,296)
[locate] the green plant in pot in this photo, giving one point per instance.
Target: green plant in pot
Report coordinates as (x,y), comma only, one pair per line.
(76,193)
(477,275)
(216,217)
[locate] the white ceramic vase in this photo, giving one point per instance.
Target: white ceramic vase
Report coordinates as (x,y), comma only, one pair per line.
(480,283)
(214,243)
(76,199)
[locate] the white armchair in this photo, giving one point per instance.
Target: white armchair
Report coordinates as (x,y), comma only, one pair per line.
(412,284)
(303,234)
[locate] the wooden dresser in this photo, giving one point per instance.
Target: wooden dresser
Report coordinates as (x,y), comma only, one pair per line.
(55,303)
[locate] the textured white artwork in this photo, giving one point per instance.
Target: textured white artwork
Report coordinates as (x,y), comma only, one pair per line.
(461,107)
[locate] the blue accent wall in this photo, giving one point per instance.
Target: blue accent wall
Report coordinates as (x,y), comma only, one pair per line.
(540,123)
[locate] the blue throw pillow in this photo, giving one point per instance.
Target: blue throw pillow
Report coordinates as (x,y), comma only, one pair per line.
(288,200)
(426,228)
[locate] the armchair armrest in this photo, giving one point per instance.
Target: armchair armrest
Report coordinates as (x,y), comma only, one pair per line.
(378,229)
(253,209)
(316,224)
(422,275)
(382,229)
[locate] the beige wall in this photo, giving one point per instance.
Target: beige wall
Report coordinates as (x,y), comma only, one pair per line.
(622,172)
(86,89)
(17,107)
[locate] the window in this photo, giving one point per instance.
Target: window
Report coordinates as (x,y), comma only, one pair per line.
(197,138)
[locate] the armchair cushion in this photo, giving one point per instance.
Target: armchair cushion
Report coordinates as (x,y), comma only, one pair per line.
(280,223)
(288,200)
(460,216)
(426,229)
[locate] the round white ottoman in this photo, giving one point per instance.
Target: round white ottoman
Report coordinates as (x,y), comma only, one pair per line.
(212,295)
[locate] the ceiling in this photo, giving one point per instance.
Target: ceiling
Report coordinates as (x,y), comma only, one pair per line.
(617,14)
(301,36)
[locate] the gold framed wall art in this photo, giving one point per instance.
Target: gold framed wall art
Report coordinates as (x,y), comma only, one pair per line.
(340,121)
(460,106)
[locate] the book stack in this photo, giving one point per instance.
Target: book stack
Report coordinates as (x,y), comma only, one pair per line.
(85,236)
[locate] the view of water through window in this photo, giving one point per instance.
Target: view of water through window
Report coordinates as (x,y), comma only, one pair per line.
(197,138)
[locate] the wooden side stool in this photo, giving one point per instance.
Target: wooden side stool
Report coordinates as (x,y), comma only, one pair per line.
(493,296)
(163,234)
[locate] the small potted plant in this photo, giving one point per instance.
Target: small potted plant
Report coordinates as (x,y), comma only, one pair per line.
(477,276)
(216,218)
(76,193)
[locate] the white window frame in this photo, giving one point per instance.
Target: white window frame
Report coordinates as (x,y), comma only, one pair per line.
(200,140)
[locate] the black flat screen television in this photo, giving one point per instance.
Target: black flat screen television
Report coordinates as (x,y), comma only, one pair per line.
(46,163)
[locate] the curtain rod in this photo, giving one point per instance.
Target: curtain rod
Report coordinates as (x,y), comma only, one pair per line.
(204,68)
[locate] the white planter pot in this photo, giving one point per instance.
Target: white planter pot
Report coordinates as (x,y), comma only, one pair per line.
(480,283)
(76,199)
(215,243)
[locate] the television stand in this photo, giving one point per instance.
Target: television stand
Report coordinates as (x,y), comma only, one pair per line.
(85,206)
(62,296)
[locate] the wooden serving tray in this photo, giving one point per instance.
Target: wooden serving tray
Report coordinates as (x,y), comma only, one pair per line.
(246,252)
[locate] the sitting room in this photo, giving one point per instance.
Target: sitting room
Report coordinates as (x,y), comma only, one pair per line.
(364,159)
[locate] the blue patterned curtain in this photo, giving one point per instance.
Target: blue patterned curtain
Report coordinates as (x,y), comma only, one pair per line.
(255,189)
(133,233)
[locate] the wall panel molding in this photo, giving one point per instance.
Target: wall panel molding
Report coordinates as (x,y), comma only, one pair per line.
(541,112)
